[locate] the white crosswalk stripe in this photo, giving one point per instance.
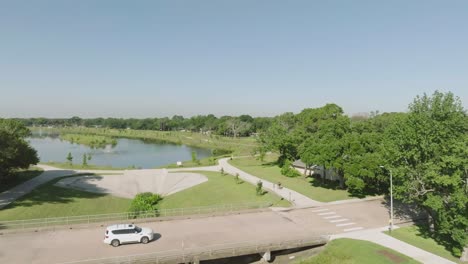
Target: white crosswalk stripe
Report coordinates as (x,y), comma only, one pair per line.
(320,210)
(331,217)
(346,224)
(339,220)
(329,213)
(352,229)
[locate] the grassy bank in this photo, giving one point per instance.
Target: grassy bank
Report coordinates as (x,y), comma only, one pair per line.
(68,166)
(53,201)
(19,177)
(309,187)
(351,251)
(93,141)
(218,190)
(418,237)
(220,144)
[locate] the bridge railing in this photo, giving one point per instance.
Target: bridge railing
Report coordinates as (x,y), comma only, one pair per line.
(216,251)
(127,216)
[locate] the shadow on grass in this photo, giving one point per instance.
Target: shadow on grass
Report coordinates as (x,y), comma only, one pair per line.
(50,193)
(17,178)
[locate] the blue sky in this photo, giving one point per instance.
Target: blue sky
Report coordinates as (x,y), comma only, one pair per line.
(159,58)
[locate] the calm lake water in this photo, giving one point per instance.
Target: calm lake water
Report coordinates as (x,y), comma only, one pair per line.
(127,152)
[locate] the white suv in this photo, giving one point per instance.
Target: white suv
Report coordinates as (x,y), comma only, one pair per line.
(126,233)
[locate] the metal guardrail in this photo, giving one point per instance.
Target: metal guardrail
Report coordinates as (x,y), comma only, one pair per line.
(103,218)
(212,251)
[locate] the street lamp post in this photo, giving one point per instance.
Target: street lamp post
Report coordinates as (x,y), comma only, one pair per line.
(391,199)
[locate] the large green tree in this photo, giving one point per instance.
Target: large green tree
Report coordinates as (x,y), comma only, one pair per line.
(428,153)
(15,151)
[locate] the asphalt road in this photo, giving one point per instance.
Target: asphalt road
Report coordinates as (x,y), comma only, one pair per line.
(71,245)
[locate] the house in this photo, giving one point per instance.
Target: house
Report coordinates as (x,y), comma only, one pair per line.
(330,174)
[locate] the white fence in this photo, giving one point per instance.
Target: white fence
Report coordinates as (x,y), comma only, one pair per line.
(105,218)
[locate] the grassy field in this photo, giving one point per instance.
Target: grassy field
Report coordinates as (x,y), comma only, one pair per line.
(416,236)
(20,177)
(52,201)
(93,141)
(222,145)
(350,251)
(209,161)
(67,166)
(218,190)
(309,187)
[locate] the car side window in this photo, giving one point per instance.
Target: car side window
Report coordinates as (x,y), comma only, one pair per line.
(117,232)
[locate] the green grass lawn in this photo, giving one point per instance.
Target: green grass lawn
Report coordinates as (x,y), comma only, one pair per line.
(218,190)
(67,166)
(269,171)
(351,251)
(415,236)
(52,201)
(19,177)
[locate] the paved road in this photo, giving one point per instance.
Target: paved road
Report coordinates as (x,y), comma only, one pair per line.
(69,245)
(354,219)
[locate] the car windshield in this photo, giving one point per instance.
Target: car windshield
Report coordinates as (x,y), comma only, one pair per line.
(137,229)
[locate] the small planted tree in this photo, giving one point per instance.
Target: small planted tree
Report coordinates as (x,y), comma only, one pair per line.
(70,158)
(85,160)
(222,171)
(259,188)
(237,179)
(194,156)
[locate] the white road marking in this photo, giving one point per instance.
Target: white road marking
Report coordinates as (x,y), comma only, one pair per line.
(333,216)
(346,224)
(338,220)
(353,229)
(320,210)
(329,213)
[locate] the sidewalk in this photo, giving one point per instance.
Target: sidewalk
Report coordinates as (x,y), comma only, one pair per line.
(16,192)
(294,197)
(376,236)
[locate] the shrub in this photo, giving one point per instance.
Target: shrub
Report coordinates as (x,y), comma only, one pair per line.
(355,185)
(144,202)
(259,188)
(288,171)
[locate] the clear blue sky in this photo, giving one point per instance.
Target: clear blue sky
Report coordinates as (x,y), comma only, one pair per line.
(159,58)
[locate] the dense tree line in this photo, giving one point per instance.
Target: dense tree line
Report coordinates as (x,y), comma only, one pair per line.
(426,149)
(15,151)
(243,125)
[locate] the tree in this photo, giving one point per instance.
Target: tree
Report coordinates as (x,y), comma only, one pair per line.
(85,160)
(15,151)
(70,158)
(144,203)
(237,127)
(427,151)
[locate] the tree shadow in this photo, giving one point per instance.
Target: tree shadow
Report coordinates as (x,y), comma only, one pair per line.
(316,181)
(404,212)
(50,193)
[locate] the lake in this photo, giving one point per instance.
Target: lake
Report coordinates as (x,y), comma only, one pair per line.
(127,152)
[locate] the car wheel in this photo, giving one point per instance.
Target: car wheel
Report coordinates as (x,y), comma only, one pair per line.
(115,243)
(144,240)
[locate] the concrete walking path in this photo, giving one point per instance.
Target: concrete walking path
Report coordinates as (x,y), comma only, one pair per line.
(16,192)
(376,236)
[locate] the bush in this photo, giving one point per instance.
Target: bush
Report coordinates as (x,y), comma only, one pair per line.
(220,152)
(144,202)
(259,188)
(288,171)
(355,185)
